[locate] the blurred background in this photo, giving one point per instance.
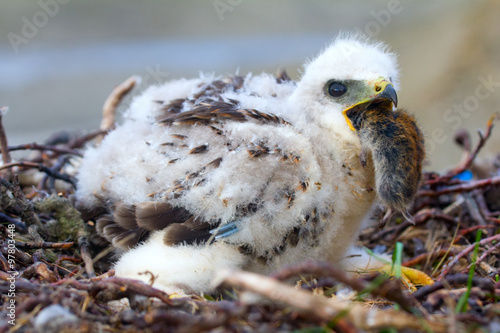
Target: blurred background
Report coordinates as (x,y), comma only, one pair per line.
(59,59)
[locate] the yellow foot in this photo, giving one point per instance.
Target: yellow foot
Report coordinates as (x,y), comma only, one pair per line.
(409,276)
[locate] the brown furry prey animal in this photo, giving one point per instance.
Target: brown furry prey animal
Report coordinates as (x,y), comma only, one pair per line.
(395,143)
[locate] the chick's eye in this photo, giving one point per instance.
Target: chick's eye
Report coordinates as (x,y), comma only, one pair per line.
(337,89)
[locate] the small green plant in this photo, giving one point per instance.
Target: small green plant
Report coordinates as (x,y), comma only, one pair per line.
(397,259)
(462,302)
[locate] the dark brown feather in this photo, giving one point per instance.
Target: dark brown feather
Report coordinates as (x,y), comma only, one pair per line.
(112,230)
(89,213)
(290,197)
(304,185)
(129,238)
(219,111)
(174,107)
(258,151)
(103,222)
(178,136)
(124,216)
(152,215)
(265,117)
(215,163)
(190,232)
(206,113)
(199,150)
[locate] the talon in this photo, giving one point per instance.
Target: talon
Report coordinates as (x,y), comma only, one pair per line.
(408,217)
(385,219)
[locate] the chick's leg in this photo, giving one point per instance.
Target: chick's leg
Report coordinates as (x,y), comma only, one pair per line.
(179,269)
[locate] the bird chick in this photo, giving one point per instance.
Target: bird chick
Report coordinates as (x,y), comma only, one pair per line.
(396,145)
(251,172)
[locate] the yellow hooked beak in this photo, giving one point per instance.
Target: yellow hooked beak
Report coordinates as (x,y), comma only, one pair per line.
(382,90)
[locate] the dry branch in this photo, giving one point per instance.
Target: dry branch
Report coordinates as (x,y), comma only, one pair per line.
(44,245)
(36,146)
(465,252)
(454,280)
(388,290)
(42,168)
(112,102)
(428,255)
(87,258)
(464,187)
(325,309)
(470,156)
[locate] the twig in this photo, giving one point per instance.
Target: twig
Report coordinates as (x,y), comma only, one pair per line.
(36,146)
(463,187)
(42,168)
(112,102)
(481,203)
(44,245)
(117,284)
(323,269)
(425,256)
(106,275)
(421,217)
(6,159)
(471,317)
(4,263)
(465,252)
(18,202)
(87,258)
(466,231)
(186,322)
(19,225)
(20,256)
(471,156)
(473,208)
(41,269)
(61,161)
(492,219)
(82,140)
(324,309)
(35,236)
(454,280)
(488,252)
(62,258)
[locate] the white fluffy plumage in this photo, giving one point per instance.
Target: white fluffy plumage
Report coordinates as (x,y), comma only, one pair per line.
(289,188)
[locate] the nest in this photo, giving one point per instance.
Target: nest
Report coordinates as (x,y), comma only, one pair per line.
(55,278)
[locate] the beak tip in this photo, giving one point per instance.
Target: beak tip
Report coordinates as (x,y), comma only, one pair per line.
(390,94)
